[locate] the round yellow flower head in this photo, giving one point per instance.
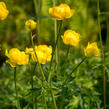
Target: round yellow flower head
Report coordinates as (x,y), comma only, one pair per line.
(61,12)
(3,11)
(43,53)
(92,50)
(71,38)
(16,57)
(31,24)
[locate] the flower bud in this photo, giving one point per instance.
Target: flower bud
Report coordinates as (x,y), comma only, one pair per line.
(30,24)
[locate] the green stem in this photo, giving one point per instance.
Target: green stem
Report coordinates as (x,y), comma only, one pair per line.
(74,69)
(103,57)
(55,44)
(57,50)
(57,47)
(35,6)
(34,105)
(49,77)
(50,73)
(32,86)
(107,39)
(43,76)
(52,93)
(55,29)
(68,49)
(53,98)
(37,10)
(57,57)
(15,80)
(66,56)
(44,99)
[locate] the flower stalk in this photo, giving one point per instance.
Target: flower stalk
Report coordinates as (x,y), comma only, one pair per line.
(37,6)
(32,85)
(102,55)
(54,100)
(75,69)
(50,72)
(43,76)
(57,33)
(15,80)
(44,99)
(57,47)
(68,50)
(54,49)
(42,73)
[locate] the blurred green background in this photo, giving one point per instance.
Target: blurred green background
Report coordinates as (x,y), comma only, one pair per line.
(14,34)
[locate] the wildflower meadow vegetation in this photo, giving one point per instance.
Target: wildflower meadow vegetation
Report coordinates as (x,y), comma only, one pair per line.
(54,54)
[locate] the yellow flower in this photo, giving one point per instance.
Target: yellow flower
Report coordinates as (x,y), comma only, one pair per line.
(16,57)
(3,11)
(61,12)
(92,50)
(29,50)
(31,24)
(43,53)
(71,38)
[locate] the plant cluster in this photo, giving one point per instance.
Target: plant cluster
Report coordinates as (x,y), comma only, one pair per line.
(51,82)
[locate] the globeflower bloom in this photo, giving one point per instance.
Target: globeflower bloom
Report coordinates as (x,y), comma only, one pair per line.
(92,50)
(71,38)
(30,24)
(3,11)
(61,12)
(16,57)
(43,53)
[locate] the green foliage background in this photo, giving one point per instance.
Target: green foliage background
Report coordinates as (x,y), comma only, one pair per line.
(85,91)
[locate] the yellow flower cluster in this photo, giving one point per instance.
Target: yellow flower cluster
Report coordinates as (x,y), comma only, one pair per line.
(43,53)
(3,11)
(61,12)
(30,24)
(71,38)
(16,57)
(92,50)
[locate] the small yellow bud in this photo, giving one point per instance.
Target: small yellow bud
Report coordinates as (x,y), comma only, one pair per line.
(61,12)
(71,38)
(16,57)
(31,24)
(3,11)
(92,50)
